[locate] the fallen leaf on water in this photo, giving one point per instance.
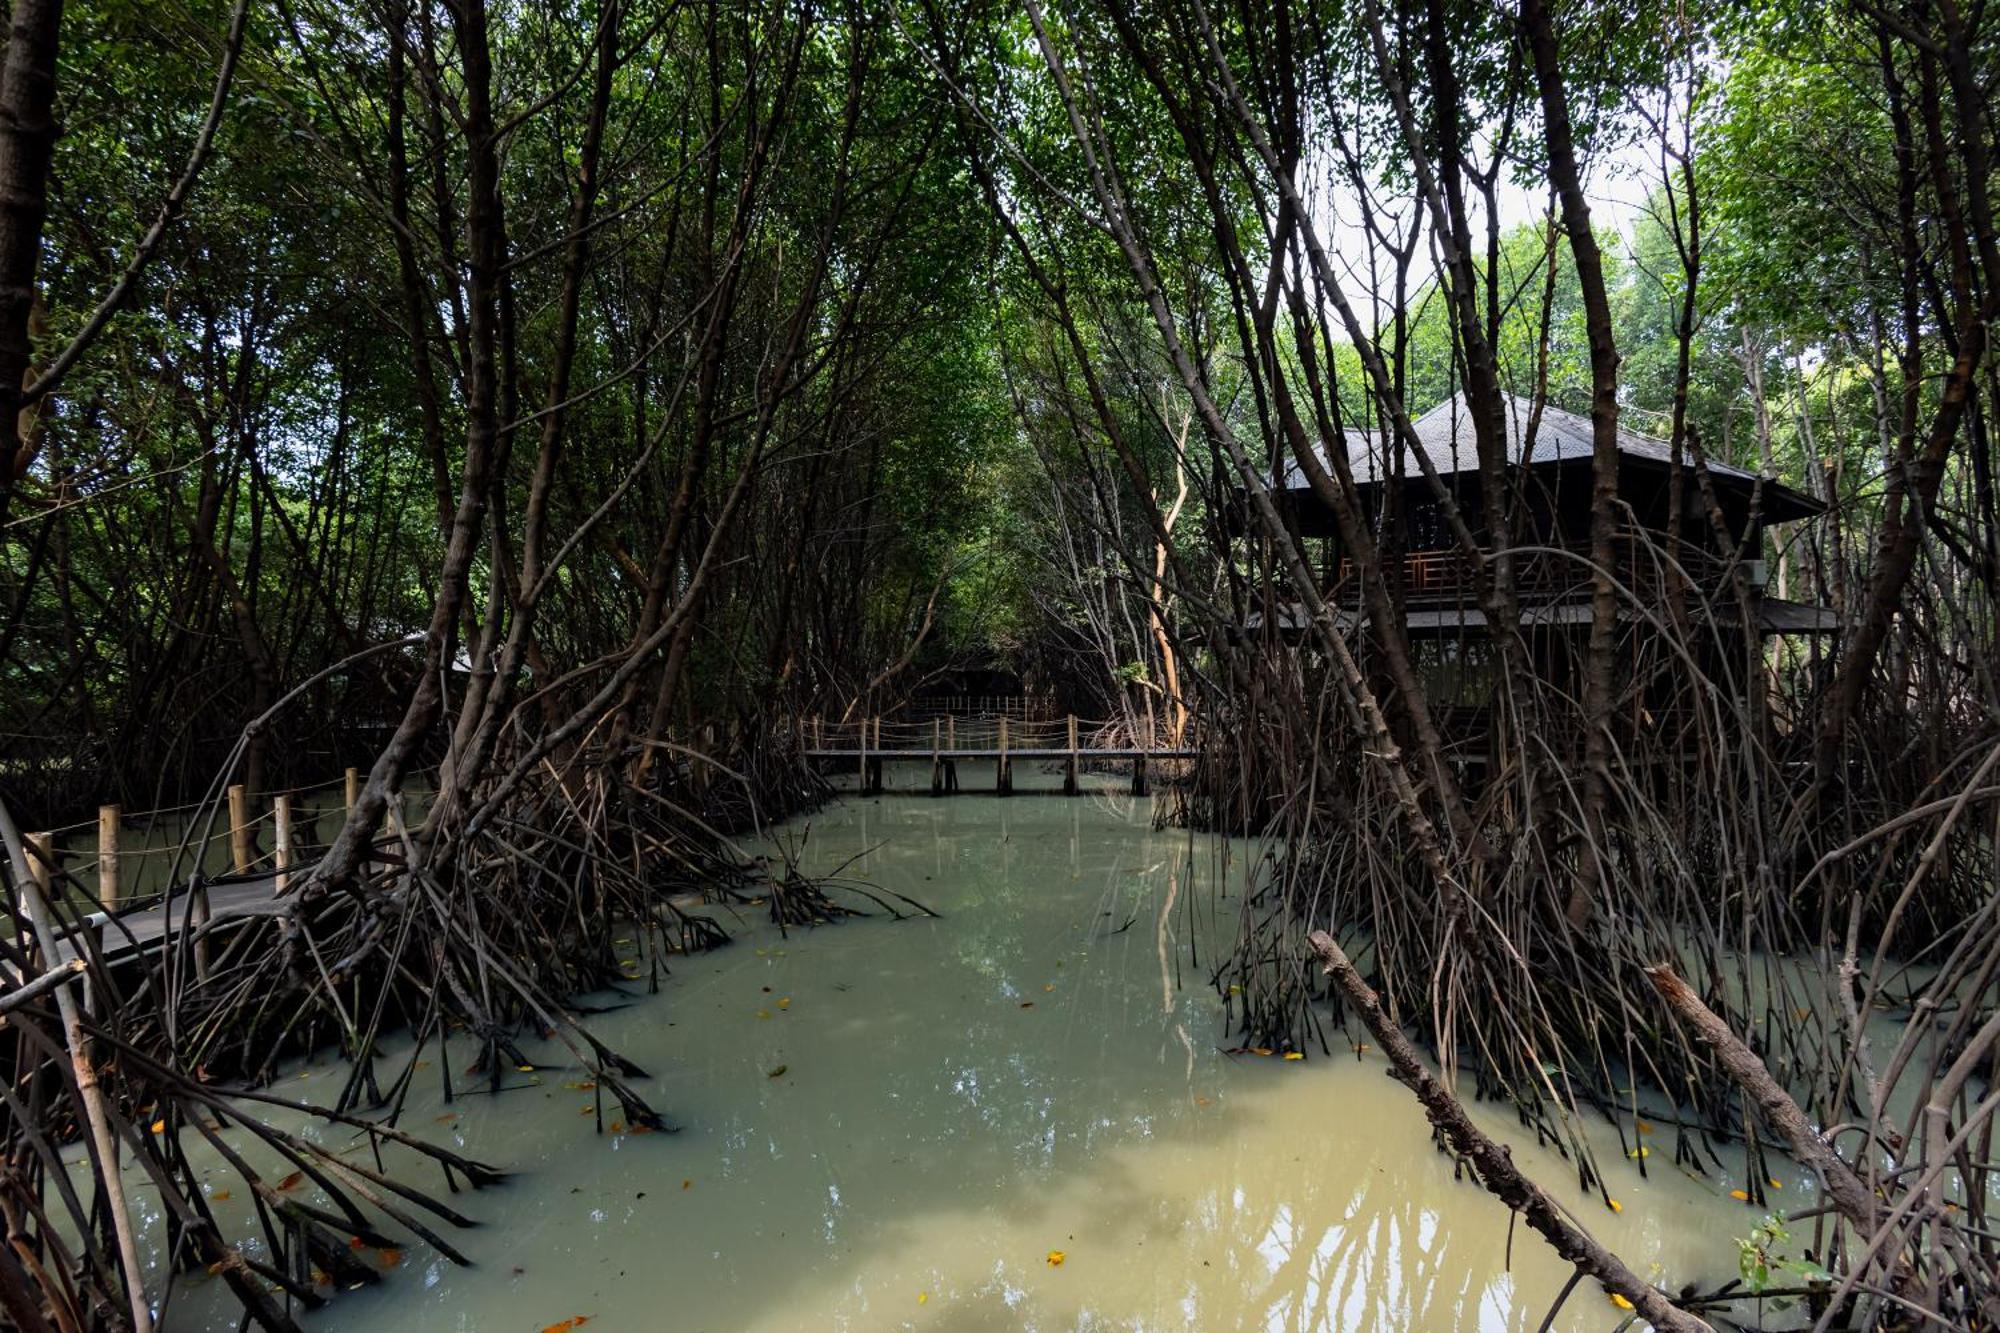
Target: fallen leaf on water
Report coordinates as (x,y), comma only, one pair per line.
(159,1126)
(586,1110)
(1056,1258)
(1027,1004)
(923,1296)
(1051,986)
(785,1003)
(564,1326)
(584,1086)
(1295,1055)
(291,1182)
(777,1072)
(321,1278)
(423,1064)
(618,1127)
(1636,1153)
(763,1013)
(356,1243)
(525,1069)
(1620,1301)
(687,1184)
(220,1196)
(1742,1195)
(1773,1183)
(389,1256)
(1202,1101)
(1260,1050)
(1616,1206)
(1645,1127)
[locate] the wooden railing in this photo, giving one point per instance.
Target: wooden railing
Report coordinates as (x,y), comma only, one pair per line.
(124,859)
(1555,572)
(1016,707)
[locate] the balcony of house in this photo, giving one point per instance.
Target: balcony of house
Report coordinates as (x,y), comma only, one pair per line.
(1559,573)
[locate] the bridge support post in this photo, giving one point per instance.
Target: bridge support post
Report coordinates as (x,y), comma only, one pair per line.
(1070,787)
(1138,775)
(937,760)
(1003,771)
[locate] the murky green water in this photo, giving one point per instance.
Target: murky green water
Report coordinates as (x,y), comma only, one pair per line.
(1037,1071)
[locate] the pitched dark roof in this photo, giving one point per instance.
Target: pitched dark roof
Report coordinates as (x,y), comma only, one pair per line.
(1445,434)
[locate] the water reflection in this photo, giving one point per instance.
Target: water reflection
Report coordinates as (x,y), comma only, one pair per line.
(1036,1071)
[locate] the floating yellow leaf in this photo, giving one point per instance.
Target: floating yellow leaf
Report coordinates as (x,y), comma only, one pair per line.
(584,1085)
(1743,1195)
(778,1072)
(1636,1153)
(1620,1301)
(1051,986)
(220,1196)
(1295,1055)
(923,1296)
(1260,1050)
(447,1117)
(687,1184)
(1616,1206)
(763,1013)
(291,1182)
(159,1126)
(1645,1127)
(785,1003)
(525,1069)
(564,1326)
(1201,1101)
(321,1278)
(1773,1183)
(586,1110)
(1056,1258)
(389,1256)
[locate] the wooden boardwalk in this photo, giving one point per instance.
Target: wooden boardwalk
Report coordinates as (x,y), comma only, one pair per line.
(944,743)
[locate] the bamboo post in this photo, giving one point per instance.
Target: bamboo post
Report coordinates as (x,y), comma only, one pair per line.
(937,758)
(864,756)
(351,788)
(281,819)
(1070,777)
(239,829)
(1003,781)
(109,817)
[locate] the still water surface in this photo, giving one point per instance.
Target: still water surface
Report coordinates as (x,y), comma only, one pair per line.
(1039,1070)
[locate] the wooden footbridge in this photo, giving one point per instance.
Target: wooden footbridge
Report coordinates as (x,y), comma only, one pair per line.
(865,746)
